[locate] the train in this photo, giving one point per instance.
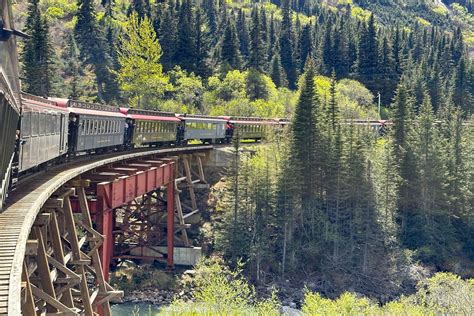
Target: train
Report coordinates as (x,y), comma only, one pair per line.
(51,131)
(57,129)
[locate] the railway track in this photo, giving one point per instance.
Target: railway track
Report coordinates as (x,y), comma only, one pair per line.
(25,204)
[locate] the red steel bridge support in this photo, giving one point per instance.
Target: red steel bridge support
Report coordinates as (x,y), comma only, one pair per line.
(121,186)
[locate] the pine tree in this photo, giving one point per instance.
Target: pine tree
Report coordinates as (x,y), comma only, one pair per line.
(272,38)
(210,10)
(203,67)
(286,46)
(71,56)
(93,46)
(305,140)
(38,55)
(277,72)
(333,109)
(463,83)
(230,47)
(257,52)
(244,37)
(306,45)
(328,53)
(387,73)
(168,33)
(185,54)
(368,57)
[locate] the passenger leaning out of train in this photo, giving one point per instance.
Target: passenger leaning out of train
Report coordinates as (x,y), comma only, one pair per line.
(128,134)
(72,134)
(18,143)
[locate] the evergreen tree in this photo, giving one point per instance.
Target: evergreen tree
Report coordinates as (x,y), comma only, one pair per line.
(463,83)
(368,57)
(38,55)
(306,45)
(93,46)
(257,52)
(305,138)
(185,54)
(230,47)
(210,10)
(328,53)
(286,45)
(203,67)
(277,72)
(387,73)
(244,37)
(71,56)
(168,33)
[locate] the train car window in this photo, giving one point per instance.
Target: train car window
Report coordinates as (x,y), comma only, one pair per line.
(26,124)
(34,123)
(86,127)
(42,123)
(57,123)
(83,126)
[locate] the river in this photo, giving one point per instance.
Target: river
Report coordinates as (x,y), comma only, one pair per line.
(135,309)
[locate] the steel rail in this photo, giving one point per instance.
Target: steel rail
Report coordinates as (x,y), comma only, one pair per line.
(26,202)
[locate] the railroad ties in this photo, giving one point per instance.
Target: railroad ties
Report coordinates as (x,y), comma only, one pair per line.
(52,243)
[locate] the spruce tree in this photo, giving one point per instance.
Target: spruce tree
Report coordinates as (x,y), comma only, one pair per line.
(203,67)
(277,73)
(230,47)
(306,45)
(387,72)
(305,140)
(257,52)
(38,55)
(368,57)
(185,54)
(244,37)
(92,43)
(167,35)
(328,53)
(286,46)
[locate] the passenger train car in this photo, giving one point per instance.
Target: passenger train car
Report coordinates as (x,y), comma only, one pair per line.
(44,130)
(93,127)
(152,128)
(9,97)
(207,129)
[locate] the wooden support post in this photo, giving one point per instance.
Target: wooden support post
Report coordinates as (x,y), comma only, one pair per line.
(28,306)
(44,273)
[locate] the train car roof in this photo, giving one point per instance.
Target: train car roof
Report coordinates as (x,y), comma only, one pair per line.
(82,111)
(148,115)
(253,120)
(33,100)
(201,118)
(86,108)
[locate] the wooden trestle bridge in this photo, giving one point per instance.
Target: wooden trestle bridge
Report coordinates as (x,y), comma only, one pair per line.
(63,226)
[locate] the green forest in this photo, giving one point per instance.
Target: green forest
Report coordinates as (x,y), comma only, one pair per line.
(355,218)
